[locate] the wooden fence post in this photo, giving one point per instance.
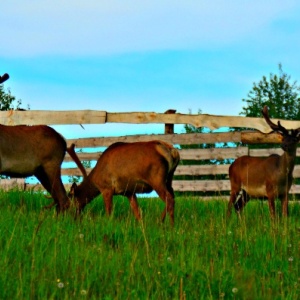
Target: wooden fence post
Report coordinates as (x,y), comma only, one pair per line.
(169,128)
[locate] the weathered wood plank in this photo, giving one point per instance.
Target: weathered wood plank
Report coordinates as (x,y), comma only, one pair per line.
(181,139)
(296,173)
(201,185)
(265,152)
(192,170)
(93,156)
(35,117)
(199,120)
(212,153)
(13,183)
(195,170)
(254,137)
(175,139)
(185,154)
(295,189)
(73,171)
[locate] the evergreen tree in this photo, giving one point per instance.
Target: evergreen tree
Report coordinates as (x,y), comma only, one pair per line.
(278,93)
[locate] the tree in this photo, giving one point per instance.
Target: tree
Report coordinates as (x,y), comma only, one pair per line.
(278,93)
(7,100)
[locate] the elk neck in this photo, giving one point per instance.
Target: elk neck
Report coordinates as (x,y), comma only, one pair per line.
(287,161)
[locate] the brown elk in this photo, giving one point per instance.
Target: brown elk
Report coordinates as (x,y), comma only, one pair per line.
(131,168)
(269,177)
(34,150)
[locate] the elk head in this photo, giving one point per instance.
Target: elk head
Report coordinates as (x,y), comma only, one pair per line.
(290,138)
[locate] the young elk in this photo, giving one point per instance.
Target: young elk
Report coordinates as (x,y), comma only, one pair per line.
(34,150)
(269,177)
(130,168)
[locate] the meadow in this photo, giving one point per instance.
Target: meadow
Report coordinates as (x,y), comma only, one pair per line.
(204,256)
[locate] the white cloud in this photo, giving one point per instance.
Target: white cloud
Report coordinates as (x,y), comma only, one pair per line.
(115,26)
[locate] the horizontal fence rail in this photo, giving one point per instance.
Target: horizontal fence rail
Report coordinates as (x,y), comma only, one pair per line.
(199,170)
(33,117)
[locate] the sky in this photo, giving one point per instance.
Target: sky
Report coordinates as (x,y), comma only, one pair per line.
(148,56)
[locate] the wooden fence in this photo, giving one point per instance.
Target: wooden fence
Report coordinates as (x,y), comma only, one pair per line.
(191,171)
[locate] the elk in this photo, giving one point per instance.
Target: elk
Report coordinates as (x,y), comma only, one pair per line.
(127,169)
(269,177)
(34,150)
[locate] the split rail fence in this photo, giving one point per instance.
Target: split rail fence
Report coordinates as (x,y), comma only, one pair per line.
(259,134)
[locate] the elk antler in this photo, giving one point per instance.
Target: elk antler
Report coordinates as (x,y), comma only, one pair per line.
(4,77)
(275,127)
(73,154)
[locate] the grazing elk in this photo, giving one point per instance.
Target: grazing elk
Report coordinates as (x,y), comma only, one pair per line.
(130,168)
(269,177)
(34,150)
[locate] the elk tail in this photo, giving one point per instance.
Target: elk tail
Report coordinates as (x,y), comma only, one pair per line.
(170,153)
(76,159)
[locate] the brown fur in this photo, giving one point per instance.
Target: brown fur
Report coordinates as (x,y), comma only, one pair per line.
(269,177)
(34,150)
(130,168)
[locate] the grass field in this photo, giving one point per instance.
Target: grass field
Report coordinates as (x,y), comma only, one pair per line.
(98,257)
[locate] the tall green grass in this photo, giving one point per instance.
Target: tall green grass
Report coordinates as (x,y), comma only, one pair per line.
(205,256)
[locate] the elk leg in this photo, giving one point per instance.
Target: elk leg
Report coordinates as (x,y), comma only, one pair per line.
(271,202)
(284,205)
(51,181)
(41,176)
(168,197)
(108,201)
(232,199)
(169,186)
(134,206)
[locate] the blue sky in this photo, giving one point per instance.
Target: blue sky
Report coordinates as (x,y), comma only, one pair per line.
(122,56)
